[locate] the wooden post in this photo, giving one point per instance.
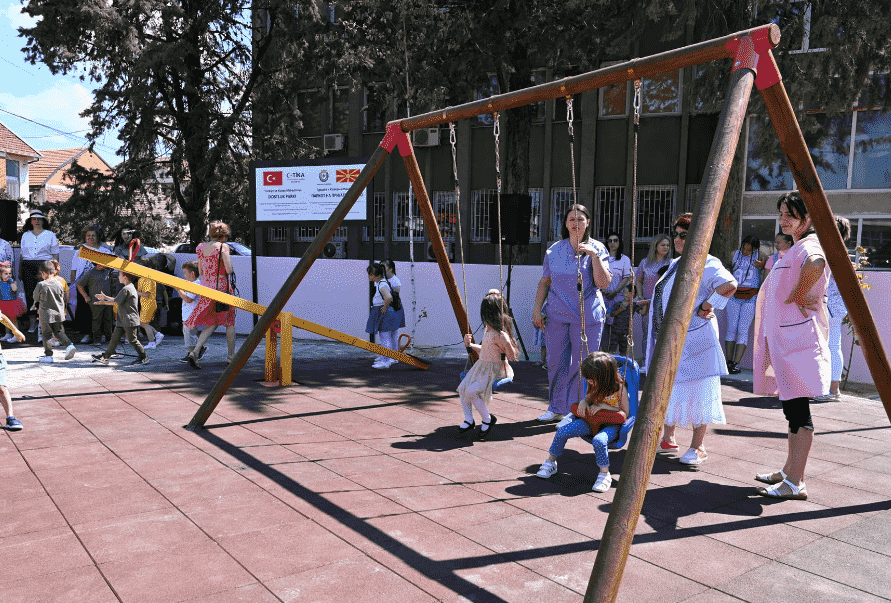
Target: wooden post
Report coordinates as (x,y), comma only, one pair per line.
(794,146)
(288,287)
(625,509)
(272,370)
(287,353)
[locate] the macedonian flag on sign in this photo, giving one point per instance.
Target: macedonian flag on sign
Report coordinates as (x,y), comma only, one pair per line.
(347,175)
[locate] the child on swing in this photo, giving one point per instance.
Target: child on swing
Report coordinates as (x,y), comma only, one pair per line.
(602,411)
(498,346)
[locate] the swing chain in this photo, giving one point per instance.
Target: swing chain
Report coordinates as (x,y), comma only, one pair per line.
(638,99)
(583,348)
(453,139)
(569,116)
(638,95)
(498,193)
(569,119)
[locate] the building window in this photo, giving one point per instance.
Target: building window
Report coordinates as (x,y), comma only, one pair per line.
(374,118)
(339,122)
(446,211)
(13,179)
(308,234)
(614,99)
(406,223)
(875,237)
(661,94)
(480,201)
(561,199)
(655,211)
(485,91)
(871,162)
(535,219)
(378,208)
(311,104)
(277,234)
(609,207)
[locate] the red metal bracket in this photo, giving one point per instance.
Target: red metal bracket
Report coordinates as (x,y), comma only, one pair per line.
(396,137)
(754,53)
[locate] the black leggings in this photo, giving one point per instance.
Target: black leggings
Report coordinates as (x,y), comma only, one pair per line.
(798,413)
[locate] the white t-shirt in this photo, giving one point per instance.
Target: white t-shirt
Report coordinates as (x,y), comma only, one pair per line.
(378,299)
(395,283)
(187,308)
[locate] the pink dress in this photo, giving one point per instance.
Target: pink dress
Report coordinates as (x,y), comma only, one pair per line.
(792,352)
(204,314)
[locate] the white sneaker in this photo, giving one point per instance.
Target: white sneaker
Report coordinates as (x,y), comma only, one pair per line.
(548,468)
(391,361)
(158,338)
(604,481)
(70,351)
(691,457)
(8,337)
(565,420)
(86,339)
(828,398)
(549,416)
(55,342)
(150,345)
(46,360)
(380,364)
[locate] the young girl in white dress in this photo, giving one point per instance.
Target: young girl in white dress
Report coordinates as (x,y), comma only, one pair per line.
(498,346)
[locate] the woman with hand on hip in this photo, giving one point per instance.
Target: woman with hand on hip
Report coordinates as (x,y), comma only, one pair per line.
(792,343)
(696,394)
(576,261)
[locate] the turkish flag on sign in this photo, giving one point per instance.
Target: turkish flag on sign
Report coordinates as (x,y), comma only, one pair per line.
(272,178)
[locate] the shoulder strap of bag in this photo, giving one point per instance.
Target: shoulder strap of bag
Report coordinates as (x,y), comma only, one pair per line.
(219,265)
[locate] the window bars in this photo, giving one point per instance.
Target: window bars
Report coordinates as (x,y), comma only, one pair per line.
(402,224)
(609,209)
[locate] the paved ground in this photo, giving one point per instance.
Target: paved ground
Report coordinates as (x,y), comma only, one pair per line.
(352,486)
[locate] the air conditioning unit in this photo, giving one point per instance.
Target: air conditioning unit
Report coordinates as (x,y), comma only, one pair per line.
(450,250)
(425,137)
(335,251)
(332,142)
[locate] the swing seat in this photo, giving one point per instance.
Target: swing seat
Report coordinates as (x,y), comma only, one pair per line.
(495,385)
(630,371)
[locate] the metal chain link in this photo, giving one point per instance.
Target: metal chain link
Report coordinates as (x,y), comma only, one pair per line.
(569,120)
(498,196)
(453,139)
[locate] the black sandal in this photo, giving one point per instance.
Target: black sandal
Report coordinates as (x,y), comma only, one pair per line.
(486,428)
(463,430)
(192,362)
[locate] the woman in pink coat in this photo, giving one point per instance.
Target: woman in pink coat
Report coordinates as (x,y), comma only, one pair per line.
(792,342)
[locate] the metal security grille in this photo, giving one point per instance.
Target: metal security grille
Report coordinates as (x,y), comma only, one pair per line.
(609,207)
(655,209)
(561,199)
(379,207)
(307,234)
(277,234)
(479,216)
(402,224)
(446,211)
(535,221)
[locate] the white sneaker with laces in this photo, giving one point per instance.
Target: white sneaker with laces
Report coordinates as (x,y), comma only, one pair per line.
(380,364)
(150,345)
(547,469)
(691,457)
(565,420)
(603,483)
(549,416)
(46,360)
(158,338)
(70,351)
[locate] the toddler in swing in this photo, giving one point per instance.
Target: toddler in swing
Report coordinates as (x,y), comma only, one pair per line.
(602,411)
(498,346)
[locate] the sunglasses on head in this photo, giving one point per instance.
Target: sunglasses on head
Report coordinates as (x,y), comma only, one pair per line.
(682,235)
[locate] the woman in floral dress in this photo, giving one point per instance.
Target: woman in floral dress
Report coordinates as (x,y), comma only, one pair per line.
(215,270)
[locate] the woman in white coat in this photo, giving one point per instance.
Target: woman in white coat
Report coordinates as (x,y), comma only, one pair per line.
(696,394)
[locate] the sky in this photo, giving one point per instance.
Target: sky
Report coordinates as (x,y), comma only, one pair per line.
(37,105)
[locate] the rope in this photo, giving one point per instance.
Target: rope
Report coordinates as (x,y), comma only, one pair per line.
(583,348)
(637,103)
(569,119)
(498,196)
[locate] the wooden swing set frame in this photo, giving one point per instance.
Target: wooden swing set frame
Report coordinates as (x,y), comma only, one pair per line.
(753,63)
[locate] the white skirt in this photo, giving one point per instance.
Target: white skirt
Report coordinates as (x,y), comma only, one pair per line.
(696,403)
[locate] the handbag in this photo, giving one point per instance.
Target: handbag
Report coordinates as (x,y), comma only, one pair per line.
(397,301)
(745,292)
(220,306)
(598,419)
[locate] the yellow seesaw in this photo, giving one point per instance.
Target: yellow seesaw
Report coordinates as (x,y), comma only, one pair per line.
(286,319)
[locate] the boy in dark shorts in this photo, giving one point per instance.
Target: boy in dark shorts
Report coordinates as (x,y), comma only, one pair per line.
(128,319)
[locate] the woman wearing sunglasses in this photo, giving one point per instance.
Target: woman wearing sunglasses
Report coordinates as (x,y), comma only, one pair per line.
(696,394)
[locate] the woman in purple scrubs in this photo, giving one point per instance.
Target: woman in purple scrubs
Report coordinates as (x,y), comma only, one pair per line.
(562,325)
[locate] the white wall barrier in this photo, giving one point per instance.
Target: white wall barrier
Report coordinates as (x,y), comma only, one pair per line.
(334,293)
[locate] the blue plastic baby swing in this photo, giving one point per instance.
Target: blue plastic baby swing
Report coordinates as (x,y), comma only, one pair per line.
(631,373)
